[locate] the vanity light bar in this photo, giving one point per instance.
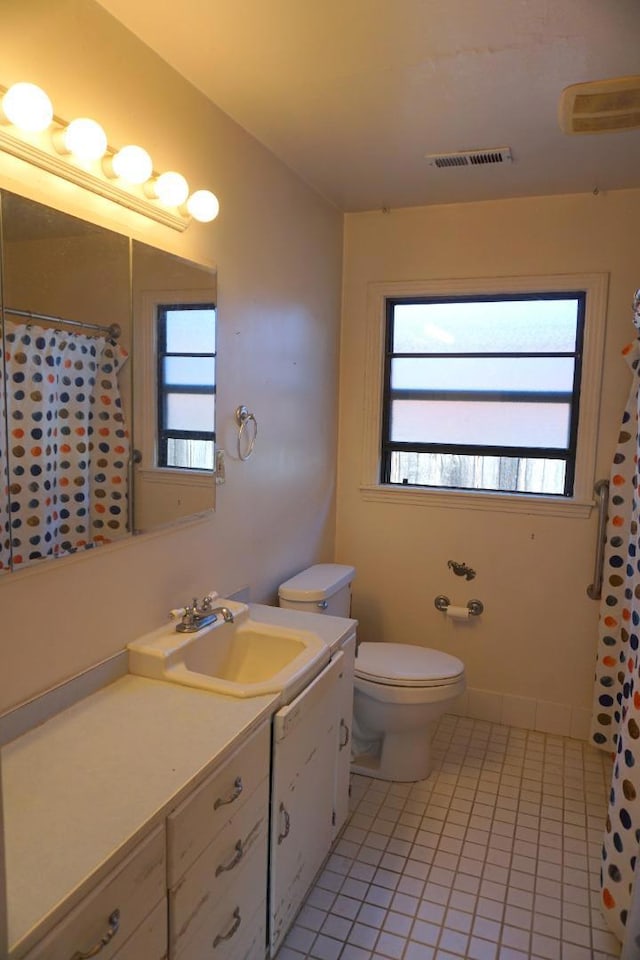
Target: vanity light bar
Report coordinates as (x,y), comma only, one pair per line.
(78,152)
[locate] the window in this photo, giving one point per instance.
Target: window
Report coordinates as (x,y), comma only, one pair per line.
(483,393)
(186,385)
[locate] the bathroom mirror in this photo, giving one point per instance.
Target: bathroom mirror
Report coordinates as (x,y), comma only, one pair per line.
(75,402)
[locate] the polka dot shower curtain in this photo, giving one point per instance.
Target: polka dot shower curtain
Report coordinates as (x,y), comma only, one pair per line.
(68,443)
(4,488)
(616,714)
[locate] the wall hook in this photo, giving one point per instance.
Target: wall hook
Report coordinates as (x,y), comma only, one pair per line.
(461,569)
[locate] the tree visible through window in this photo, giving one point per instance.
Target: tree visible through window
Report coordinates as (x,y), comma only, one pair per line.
(186,339)
(482,393)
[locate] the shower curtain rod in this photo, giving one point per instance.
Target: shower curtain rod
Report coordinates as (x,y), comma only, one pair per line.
(113,330)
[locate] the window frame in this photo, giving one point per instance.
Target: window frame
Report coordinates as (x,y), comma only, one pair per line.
(568,454)
(164,432)
(373,487)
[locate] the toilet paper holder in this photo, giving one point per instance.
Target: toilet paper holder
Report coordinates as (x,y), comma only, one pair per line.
(475,607)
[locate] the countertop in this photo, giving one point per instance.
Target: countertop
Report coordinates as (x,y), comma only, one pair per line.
(81,789)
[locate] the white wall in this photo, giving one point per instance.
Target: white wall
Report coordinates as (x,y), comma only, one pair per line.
(277,249)
(536,639)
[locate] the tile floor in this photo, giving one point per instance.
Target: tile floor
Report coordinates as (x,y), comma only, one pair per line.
(495,856)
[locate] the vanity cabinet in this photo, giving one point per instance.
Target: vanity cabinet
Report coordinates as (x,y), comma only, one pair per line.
(217,860)
(112,803)
(305,737)
(169,823)
(127,910)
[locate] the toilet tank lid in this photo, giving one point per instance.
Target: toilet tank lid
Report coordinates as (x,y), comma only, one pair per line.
(405,663)
(317,582)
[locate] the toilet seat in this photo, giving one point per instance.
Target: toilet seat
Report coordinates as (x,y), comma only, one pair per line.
(406,665)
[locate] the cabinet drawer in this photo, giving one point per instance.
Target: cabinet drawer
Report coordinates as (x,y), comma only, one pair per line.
(133,887)
(246,937)
(241,937)
(229,875)
(194,824)
(149,942)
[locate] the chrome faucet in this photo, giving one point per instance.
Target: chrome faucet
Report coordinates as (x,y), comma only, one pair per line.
(201,614)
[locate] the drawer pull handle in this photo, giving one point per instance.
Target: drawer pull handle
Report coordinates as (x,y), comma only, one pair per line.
(235,793)
(347,734)
(237,920)
(287,823)
(114,926)
(239,854)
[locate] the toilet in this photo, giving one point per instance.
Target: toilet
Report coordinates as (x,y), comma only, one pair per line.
(400,690)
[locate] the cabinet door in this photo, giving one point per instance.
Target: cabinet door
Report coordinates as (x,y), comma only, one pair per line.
(302,794)
(343,760)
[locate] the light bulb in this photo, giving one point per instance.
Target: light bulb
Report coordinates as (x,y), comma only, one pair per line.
(28,107)
(131,163)
(203,206)
(170,188)
(84,138)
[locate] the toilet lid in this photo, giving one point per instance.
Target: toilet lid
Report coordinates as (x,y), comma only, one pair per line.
(406,665)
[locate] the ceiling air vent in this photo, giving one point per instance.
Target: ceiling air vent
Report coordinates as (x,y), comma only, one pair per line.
(470,158)
(601,106)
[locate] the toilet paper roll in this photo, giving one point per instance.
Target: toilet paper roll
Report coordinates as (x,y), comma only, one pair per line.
(458,613)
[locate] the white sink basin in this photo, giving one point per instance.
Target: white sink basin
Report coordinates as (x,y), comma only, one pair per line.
(245,658)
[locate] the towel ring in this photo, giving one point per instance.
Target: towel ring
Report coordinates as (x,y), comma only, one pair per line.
(243,416)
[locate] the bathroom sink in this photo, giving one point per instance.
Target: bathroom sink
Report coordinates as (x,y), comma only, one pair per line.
(243,658)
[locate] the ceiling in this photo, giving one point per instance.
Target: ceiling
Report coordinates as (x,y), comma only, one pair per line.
(351,94)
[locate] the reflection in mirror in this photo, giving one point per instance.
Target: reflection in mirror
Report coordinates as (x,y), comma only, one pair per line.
(58,266)
(64,445)
(5,526)
(174,309)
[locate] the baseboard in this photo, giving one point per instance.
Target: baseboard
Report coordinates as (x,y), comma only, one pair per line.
(545,716)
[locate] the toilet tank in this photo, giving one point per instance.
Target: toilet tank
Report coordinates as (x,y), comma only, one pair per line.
(323,588)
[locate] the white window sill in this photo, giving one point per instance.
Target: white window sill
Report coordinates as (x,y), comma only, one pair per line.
(173,475)
(465,500)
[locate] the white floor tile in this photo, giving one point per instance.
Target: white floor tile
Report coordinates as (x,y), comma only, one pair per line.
(494,857)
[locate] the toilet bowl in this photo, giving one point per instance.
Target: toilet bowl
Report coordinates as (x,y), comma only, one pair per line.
(400,690)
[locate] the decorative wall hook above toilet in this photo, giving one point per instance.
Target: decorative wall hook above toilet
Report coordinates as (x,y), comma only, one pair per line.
(461,569)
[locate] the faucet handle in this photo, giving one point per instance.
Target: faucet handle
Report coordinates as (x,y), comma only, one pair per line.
(190,612)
